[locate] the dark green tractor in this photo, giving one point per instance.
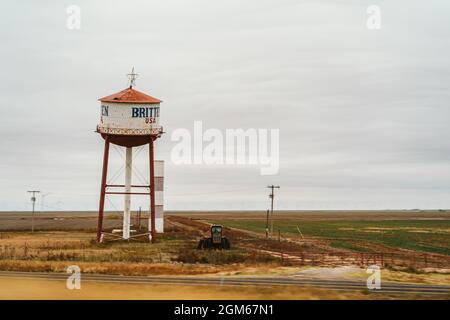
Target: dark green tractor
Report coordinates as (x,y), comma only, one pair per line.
(215,241)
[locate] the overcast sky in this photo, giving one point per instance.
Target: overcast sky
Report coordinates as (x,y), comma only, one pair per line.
(363,114)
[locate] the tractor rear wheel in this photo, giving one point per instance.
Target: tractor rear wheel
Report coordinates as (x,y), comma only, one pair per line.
(225,244)
(208,243)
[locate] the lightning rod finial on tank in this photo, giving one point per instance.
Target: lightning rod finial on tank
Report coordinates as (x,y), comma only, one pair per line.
(132,77)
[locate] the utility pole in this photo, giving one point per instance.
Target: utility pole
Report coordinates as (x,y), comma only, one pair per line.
(33,200)
(267,224)
(272,196)
(138,222)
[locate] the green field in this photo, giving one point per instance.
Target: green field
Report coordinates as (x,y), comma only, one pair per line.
(431,236)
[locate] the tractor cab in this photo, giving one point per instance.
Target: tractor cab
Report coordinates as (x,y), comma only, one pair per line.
(216,234)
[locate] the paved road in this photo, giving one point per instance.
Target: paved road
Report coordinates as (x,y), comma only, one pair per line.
(301,281)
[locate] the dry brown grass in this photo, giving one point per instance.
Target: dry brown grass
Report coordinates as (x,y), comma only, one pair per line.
(433,277)
(140,269)
(174,253)
(171,255)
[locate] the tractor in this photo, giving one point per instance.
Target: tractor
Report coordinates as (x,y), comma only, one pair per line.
(215,241)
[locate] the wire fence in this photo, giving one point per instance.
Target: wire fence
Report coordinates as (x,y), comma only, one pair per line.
(364,259)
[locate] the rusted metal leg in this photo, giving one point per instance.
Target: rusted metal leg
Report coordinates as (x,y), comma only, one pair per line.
(102,191)
(152,189)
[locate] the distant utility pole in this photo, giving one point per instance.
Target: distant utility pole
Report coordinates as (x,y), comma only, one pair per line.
(272,196)
(33,200)
(139,219)
(267,224)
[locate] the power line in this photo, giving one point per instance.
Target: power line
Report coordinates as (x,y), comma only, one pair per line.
(212,192)
(43,195)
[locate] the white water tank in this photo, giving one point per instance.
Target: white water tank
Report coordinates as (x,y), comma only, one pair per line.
(129,112)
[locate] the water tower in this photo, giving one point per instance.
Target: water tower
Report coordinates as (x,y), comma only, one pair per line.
(130,118)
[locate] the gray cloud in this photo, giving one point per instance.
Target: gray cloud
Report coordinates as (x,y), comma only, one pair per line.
(362,114)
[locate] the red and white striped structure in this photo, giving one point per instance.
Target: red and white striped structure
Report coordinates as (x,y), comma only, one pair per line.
(130,118)
(159,196)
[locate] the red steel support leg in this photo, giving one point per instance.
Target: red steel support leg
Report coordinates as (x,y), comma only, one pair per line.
(152,189)
(103,190)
